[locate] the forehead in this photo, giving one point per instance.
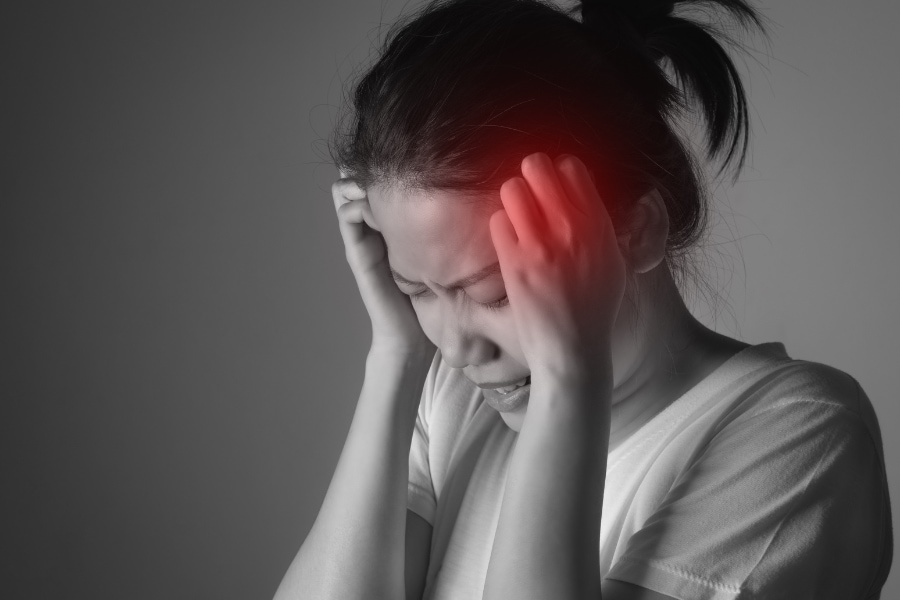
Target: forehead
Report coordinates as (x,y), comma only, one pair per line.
(434,234)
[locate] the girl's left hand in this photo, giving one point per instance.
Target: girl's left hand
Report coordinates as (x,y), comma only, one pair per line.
(561,264)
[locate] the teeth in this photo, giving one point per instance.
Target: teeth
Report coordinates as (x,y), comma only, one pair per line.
(507,389)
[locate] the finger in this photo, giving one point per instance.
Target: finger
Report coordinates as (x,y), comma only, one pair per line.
(571,170)
(351,219)
(358,212)
(503,234)
(356,219)
(344,190)
(540,173)
(522,210)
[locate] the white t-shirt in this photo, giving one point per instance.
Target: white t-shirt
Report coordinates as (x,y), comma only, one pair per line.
(764,480)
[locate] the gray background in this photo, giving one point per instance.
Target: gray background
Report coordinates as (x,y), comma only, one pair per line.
(182,342)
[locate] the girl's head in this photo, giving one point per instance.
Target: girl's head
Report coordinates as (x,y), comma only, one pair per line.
(463,90)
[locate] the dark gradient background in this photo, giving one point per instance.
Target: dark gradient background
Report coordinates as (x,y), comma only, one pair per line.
(182,341)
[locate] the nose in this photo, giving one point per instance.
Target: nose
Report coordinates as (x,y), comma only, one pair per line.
(461,343)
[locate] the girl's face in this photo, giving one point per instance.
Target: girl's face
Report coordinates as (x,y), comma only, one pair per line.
(438,242)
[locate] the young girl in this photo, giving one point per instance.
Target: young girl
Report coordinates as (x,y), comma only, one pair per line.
(542,417)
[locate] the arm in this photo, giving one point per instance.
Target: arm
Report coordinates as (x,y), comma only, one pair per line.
(547,541)
(565,278)
(356,546)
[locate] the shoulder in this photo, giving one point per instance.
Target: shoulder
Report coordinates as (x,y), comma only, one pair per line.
(802,385)
(806,389)
(790,489)
(819,447)
(798,380)
(799,420)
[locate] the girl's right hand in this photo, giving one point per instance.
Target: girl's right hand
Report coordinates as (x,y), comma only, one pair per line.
(395,326)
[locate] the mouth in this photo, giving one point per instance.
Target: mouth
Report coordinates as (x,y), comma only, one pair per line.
(509,397)
(504,387)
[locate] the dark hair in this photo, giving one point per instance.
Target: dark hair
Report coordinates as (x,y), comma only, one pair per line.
(463,90)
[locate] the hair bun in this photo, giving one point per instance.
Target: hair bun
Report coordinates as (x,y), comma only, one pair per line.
(634,10)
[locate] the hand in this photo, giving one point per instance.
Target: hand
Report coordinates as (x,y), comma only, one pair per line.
(395,326)
(563,271)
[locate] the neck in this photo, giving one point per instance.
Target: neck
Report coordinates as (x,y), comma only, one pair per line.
(673,352)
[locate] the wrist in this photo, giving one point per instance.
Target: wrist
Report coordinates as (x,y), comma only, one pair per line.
(405,349)
(578,393)
(400,356)
(395,380)
(577,370)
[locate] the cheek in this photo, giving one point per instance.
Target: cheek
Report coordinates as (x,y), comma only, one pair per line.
(497,328)
(429,320)
(500,327)
(505,327)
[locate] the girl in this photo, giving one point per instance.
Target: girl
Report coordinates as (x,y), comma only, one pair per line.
(542,417)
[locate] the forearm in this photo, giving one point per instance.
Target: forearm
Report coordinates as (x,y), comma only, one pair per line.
(355,548)
(547,539)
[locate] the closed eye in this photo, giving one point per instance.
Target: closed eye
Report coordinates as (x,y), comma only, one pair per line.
(495,305)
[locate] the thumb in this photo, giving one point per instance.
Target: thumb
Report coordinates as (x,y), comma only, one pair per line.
(503,233)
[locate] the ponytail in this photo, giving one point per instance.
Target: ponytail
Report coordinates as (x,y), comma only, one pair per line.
(704,72)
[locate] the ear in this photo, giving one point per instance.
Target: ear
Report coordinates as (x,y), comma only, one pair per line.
(644,243)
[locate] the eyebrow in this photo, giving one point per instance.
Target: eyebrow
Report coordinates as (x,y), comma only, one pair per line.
(492,269)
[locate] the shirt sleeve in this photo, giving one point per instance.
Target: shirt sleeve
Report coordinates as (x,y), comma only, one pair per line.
(789,501)
(420,489)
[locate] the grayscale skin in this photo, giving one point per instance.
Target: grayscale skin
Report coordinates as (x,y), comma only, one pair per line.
(646,353)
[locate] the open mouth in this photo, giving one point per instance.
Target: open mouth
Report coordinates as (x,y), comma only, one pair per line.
(521,383)
(508,398)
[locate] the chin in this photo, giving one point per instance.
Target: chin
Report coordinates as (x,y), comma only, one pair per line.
(515,418)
